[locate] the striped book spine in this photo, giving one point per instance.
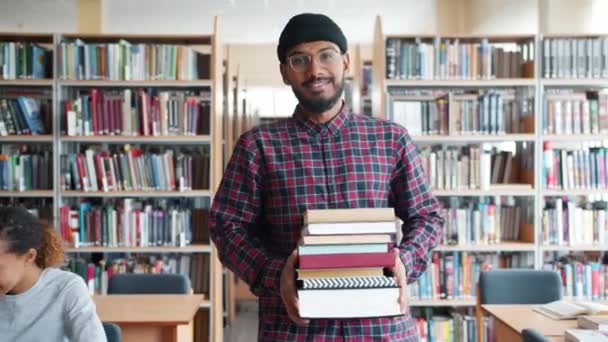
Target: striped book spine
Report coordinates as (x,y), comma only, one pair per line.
(347,283)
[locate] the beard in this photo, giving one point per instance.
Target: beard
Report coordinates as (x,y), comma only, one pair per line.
(318,106)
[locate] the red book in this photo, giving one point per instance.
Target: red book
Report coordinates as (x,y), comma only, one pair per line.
(347,260)
(94,111)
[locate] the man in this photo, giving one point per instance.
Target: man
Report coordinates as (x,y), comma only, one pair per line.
(322,157)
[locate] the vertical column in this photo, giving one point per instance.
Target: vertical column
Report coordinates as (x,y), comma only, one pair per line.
(452,16)
(89,16)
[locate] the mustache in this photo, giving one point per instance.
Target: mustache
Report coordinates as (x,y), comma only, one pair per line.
(314,79)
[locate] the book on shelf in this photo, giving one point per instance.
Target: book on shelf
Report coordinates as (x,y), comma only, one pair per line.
(24,115)
(575,57)
(135,169)
(25,60)
(593,322)
(474,167)
(125,60)
(131,223)
(573,165)
(582,335)
(453,58)
(453,275)
(485,220)
(342,278)
(97,273)
(581,280)
(573,111)
(563,309)
(567,221)
(463,112)
(455,326)
(137,112)
(25,168)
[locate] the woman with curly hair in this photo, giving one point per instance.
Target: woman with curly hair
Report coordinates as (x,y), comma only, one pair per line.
(39,302)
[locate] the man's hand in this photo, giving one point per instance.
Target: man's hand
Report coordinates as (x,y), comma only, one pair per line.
(399,273)
(288,290)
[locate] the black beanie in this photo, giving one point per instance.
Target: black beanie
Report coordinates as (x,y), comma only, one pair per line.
(309,27)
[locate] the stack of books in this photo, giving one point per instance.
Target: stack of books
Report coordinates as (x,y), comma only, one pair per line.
(344,257)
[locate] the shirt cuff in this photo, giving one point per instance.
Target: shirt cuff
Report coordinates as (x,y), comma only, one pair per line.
(408,262)
(269,281)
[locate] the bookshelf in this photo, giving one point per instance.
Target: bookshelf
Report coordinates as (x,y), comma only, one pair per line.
(184,68)
(461,89)
(567,126)
(27,89)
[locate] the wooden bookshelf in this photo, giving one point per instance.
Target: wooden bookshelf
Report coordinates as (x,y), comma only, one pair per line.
(158,249)
(529,131)
(574,192)
(472,138)
(574,248)
(510,246)
(27,82)
(149,194)
(114,139)
(28,194)
(491,83)
(574,82)
(26,139)
(143,83)
(493,191)
(574,137)
(415,302)
(209,72)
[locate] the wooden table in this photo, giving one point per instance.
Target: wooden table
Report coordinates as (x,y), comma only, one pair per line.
(150,317)
(510,320)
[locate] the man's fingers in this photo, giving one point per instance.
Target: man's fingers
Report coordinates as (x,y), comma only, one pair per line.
(292,312)
(403,298)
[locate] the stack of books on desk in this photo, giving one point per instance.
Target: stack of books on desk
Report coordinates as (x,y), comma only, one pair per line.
(343,254)
(593,328)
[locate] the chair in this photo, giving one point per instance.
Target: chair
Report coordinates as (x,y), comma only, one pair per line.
(149,284)
(519,286)
(516,286)
(531,335)
(113,332)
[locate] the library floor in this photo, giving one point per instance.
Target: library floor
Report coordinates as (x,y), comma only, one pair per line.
(245,327)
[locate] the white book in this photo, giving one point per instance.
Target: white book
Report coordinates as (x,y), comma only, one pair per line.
(593,322)
(350,228)
(562,309)
(349,303)
(580,335)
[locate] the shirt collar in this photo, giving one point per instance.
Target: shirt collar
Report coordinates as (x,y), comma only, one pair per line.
(333,126)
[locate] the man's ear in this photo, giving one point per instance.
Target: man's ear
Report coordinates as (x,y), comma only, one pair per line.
(346,62)
(283,69)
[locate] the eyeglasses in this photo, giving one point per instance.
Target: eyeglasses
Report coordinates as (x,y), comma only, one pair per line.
(301,62)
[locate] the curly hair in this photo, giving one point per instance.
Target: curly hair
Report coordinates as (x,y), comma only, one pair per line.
(23,231)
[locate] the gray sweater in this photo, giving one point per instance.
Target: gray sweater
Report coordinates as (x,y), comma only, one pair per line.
(57,308)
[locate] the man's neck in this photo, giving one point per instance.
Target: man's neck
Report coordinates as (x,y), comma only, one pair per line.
(28,281)
(324,117)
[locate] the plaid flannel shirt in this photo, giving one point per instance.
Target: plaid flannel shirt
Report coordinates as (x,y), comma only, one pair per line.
(278,171)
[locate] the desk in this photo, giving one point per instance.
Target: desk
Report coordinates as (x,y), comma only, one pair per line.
(150,317)
(510,320)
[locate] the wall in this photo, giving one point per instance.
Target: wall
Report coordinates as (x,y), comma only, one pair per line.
(260,21)
(38,15)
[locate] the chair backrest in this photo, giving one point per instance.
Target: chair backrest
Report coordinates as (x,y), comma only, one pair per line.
(519,286)
(113,332)
(149,284)
(531,335)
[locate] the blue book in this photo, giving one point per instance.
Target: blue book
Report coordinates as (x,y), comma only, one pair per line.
(31,113)
(84,208)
